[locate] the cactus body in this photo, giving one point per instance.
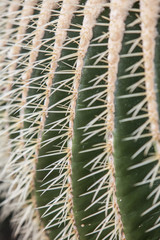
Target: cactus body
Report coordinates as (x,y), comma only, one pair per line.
(80,119)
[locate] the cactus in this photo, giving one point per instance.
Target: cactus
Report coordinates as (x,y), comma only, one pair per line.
(80,119)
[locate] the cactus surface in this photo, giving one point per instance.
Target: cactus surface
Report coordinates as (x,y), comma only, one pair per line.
(80,114)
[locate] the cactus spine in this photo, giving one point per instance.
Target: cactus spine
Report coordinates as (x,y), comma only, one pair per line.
(80,115)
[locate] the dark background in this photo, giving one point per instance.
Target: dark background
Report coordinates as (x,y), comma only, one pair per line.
(6,231)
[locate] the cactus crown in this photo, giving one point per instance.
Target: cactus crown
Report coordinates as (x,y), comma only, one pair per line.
(80,116)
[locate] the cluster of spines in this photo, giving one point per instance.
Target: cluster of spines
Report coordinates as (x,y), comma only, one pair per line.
(28,141)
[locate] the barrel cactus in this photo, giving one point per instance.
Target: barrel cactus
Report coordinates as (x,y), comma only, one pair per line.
(80,135)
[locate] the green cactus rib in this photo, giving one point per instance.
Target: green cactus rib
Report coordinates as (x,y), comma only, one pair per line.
(49,147)
(79,83)
(57,202)
(137,188)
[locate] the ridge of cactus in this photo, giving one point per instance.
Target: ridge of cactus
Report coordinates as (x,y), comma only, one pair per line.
(79,113)
(133,77)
